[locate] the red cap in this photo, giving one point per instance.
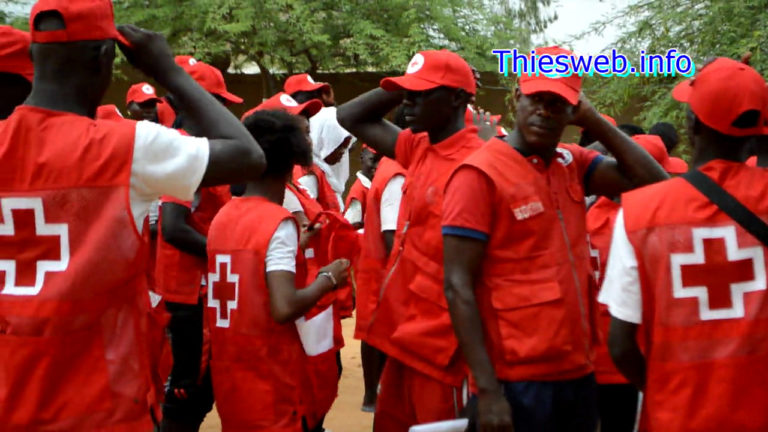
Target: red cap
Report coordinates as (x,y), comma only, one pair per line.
(655,147)
(432,69)
(568,87)
(284,101)
(141,92)
(14,52)
(210,79)
(108,112)
(721,92)
(302,82)
(185,61)
(83,20)
(369,148)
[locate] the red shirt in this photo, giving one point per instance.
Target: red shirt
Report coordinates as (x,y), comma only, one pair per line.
(533,289)
(412,322)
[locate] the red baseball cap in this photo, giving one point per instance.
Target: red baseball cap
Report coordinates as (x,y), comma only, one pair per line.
(83,20)
(432,69)
(568,87)
(210,79)
(302,82)
(141,92)
(14,52)
(369,148)
(185,61)
(721,92)
(284,101)
(656,148)
(108,112)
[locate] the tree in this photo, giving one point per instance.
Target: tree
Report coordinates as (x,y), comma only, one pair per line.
(699,28)
(290,36)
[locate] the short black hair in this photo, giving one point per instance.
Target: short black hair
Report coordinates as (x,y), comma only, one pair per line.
(631,129)
(306,96)
(282,139)
(667,133)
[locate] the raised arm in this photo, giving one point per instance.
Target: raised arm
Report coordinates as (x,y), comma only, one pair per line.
(632,167)
(234,154)
(363,117)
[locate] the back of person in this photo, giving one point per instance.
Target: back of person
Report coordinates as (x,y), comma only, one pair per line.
(74,299)
(257,365)
(706,313)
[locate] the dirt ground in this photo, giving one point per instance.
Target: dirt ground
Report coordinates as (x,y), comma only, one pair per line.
(345,415)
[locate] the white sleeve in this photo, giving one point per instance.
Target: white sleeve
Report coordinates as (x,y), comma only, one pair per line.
(621,287)
(390,203)
(309,182)
(283,247)
(165,162)
(354,213)
(291,203)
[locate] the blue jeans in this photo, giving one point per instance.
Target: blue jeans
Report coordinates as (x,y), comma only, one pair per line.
(549,406)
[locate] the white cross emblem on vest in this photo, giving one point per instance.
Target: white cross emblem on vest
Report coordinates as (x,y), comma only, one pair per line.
(29,247)
(718,273)
(223,294)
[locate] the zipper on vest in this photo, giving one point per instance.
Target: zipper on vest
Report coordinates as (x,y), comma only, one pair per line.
(584,325)
(389,274)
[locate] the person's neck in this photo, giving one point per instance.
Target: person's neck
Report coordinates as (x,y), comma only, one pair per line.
(438,136)
(271,189)
(516,140)
(61,98)
(705,153)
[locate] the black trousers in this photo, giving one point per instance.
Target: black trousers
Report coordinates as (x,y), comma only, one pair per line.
(188,393)
(617,404)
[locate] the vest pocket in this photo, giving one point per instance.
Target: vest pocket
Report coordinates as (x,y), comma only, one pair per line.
(426,330)
(530,319)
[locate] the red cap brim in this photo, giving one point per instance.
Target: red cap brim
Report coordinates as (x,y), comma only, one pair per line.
(231,97)
(675,165)
(552,86)
(682,91)
(407,82)
(120,38)
(146,98)
(311,107)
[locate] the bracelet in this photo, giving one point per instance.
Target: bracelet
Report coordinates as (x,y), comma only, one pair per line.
(329,275)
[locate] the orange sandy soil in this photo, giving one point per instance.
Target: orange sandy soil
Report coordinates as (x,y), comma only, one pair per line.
(345,415)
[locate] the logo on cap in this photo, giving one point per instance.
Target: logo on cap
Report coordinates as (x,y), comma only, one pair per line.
(309,78)
(146,88)
(287,100)
(416,63)
(192,61)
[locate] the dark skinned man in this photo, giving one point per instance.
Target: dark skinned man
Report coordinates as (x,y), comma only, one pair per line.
(692,278)
(75,191)
(517,263)
(424,371)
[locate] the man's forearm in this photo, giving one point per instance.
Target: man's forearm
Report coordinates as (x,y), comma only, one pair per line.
(625,352)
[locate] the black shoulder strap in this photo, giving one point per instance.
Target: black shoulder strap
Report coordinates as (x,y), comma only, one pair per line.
(728,204)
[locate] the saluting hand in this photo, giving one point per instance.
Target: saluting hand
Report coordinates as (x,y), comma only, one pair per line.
(148,51)
(584,113)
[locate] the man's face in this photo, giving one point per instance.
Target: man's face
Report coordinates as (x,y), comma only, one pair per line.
(143,111)
(541,118)
(430,109)
(368,163)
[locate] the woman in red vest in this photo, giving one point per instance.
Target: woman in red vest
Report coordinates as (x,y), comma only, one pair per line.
(256,275)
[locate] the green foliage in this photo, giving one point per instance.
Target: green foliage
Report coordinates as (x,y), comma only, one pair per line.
(336,35)
(699,28)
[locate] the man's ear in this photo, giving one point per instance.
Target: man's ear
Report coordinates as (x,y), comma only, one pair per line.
(461,97)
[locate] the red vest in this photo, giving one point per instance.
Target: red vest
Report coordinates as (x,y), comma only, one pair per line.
(325,194)
(257,365)
(74,299)
(705,308)
(371,267)
(357,192)
(533,287)
(179,274)
(600,219)
(412,322)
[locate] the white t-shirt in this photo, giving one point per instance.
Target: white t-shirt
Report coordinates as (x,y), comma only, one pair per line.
(165,162)
(291,202)
(621,286)
(310,183)
(390,203)
(282,249)
(354,213)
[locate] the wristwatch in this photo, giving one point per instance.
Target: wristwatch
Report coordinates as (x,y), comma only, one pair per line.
(329,275)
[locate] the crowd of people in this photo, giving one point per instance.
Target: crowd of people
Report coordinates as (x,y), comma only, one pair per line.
(156,264)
